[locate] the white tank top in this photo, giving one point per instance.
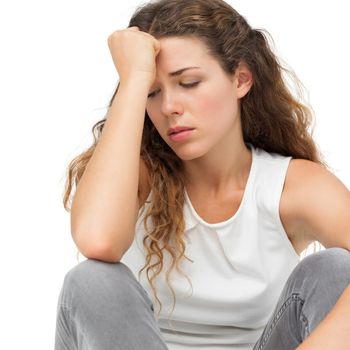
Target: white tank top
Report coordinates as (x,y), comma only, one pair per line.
(238,272)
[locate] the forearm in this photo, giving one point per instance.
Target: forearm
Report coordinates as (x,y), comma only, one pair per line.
(106,197)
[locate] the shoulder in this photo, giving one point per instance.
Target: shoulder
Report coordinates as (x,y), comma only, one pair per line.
(301,170)
(306,178)
(315,203)
(302,181)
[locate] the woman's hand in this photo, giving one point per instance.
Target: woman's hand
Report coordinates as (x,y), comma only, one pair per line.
(134,54)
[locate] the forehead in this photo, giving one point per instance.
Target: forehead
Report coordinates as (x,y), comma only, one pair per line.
(178,52)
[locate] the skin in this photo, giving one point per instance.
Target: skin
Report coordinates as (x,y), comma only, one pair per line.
(314,204)
(215,157)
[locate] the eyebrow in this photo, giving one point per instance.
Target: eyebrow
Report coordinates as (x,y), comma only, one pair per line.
(180,71)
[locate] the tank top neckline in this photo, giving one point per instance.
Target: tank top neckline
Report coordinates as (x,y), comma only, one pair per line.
(247,189)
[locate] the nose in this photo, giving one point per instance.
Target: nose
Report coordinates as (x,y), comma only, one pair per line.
(171,104)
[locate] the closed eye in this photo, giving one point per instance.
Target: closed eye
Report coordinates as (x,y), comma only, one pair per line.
(186,86)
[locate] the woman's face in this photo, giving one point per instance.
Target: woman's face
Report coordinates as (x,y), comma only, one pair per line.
(203,98)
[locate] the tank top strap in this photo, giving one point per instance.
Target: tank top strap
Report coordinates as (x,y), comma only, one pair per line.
(269,181)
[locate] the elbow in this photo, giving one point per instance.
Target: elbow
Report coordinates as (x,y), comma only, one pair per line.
(103,254)
(98,250)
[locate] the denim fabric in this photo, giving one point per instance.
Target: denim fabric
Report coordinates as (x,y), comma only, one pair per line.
(310,292)
(102,306)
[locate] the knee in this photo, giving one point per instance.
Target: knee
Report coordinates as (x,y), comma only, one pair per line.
(329,267)
(328,263)
(320,279)
(91,279)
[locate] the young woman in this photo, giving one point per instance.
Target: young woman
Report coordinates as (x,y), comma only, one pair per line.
(200,191)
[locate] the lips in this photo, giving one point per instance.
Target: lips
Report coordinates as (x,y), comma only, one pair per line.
(178,129)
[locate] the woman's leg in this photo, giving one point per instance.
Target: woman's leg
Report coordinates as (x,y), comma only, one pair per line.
(310,293)
(102,306)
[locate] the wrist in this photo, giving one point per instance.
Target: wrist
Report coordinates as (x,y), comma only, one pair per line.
(140,80)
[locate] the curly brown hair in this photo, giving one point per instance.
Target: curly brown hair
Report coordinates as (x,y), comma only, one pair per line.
(273,117)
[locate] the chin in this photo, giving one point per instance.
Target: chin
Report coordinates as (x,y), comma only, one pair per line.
(187,154)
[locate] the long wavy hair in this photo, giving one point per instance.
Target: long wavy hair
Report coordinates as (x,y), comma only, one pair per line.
(274,116)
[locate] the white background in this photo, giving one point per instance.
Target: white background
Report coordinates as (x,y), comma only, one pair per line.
(56,79)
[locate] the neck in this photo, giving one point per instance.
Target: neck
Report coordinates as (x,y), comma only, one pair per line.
(216,175)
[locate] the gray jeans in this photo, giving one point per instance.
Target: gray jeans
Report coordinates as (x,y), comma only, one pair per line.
(103,307)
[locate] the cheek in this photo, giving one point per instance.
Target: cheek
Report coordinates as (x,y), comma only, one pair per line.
(156,122)
(148,113)
(151,115)
(217,105)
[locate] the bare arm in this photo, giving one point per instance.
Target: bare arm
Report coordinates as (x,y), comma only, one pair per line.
(106,202)
(105,205)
